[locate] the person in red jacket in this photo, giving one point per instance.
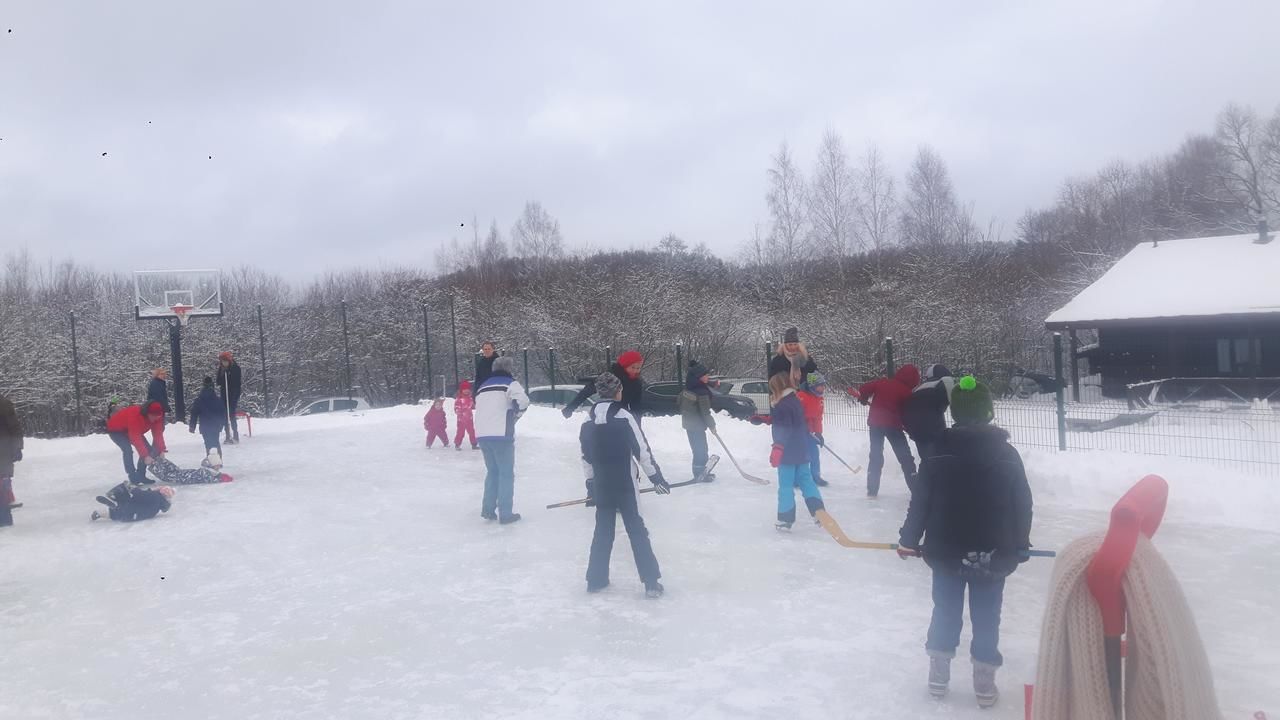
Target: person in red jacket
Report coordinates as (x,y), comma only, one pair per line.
(128,427)
(886,396)
(464,414)
(436,424)
(810,395)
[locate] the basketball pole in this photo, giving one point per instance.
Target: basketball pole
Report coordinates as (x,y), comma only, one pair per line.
(175,351)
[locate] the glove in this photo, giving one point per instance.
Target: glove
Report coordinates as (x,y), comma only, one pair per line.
(660,486)
(566,412)
(775,455)
(821,442)
(591,495)
(149,460)
(760,420)
(905,552)
(17,455)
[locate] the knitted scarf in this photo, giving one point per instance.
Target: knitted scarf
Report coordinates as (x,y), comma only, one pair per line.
(1167,673)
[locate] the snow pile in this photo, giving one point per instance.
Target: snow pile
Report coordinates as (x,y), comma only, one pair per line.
(347,574)
(1177,278)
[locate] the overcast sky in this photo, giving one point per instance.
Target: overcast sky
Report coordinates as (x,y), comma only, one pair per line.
(362,133)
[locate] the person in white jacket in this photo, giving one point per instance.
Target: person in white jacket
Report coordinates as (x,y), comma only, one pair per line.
(499,403)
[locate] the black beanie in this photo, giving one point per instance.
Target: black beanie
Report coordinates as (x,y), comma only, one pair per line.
(792,335)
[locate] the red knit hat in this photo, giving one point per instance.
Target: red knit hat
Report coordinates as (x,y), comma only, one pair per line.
(629,358)
(464,385)
(225,355)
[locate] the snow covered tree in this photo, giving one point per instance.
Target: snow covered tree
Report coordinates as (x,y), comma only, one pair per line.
(930,212)
(788,200)
(1250,172)
(672,245)
(877,212)
(833,200)
(536,235)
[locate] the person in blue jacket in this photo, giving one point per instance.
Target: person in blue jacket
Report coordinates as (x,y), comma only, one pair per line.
(790,454)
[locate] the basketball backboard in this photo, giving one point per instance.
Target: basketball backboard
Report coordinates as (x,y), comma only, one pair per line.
(157,292)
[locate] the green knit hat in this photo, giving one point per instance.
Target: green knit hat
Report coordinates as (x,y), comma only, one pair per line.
(971,402)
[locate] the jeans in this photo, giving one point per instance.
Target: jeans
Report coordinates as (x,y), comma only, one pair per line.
(789,478)
(986,596)
(500,476)
(136,473)
(698,443)
(610,502)
(898,441)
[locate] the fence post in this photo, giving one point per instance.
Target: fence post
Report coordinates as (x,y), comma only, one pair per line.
(768,356)
(75,373)
(608,356)
(526,369)
(426,344)
(1061,394)
(175,349)
(453,327)
(346,348)
(1075,365)
(888,357)
(552,354)
(262,352)
(679,360)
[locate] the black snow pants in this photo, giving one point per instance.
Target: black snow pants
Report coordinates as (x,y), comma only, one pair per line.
(613,500)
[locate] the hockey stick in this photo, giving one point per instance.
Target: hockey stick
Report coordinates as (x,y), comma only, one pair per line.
(853,470)
(732,459)
(583,501)
(833,528)
(711,464)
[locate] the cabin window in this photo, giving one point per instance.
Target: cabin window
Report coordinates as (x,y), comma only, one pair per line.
(1234,356)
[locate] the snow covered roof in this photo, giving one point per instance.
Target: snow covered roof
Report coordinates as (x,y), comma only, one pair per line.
(1196,277)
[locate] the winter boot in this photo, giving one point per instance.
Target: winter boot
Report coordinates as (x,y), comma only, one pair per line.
(597,587)
(95,515)
(782,526)
(820,482)
(984,684)
(512,518)
(939,673)
(488,515)
(459,448)
(653,589)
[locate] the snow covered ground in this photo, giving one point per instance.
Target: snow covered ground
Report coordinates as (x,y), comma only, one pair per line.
(347,574)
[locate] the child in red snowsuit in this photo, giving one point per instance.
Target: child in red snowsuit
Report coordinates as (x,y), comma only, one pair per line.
(810,395)
(463,409)
(436,424)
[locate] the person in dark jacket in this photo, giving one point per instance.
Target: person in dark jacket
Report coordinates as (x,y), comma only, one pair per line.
(229,386)
(793,358)
(210,416)
(924,412)
(127,428)
(885,396)
(10,453)
(484,362)
(611,438)
(972,506)
(627,369)
(158,390)
(128,504)
(790,452)
(695,415)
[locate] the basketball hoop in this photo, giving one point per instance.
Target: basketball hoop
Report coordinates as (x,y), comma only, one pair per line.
(182,312)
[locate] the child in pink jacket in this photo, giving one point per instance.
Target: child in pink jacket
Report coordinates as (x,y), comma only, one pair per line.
(436,424)
(463,409)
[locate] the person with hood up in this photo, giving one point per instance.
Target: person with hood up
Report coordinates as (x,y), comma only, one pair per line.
(436,423)
(211,417)
(127,428)
(229,383)
(500,402)
(10,453)
(464,415)
(696,416)
(972,506)
(627,369)
(924,413)
(792,358)
(885,396)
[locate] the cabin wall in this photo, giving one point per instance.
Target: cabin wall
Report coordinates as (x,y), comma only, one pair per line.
(1138,353)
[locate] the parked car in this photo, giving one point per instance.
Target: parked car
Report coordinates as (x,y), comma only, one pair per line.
(557,397)
(664,399)
(754,388)
(334,405)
